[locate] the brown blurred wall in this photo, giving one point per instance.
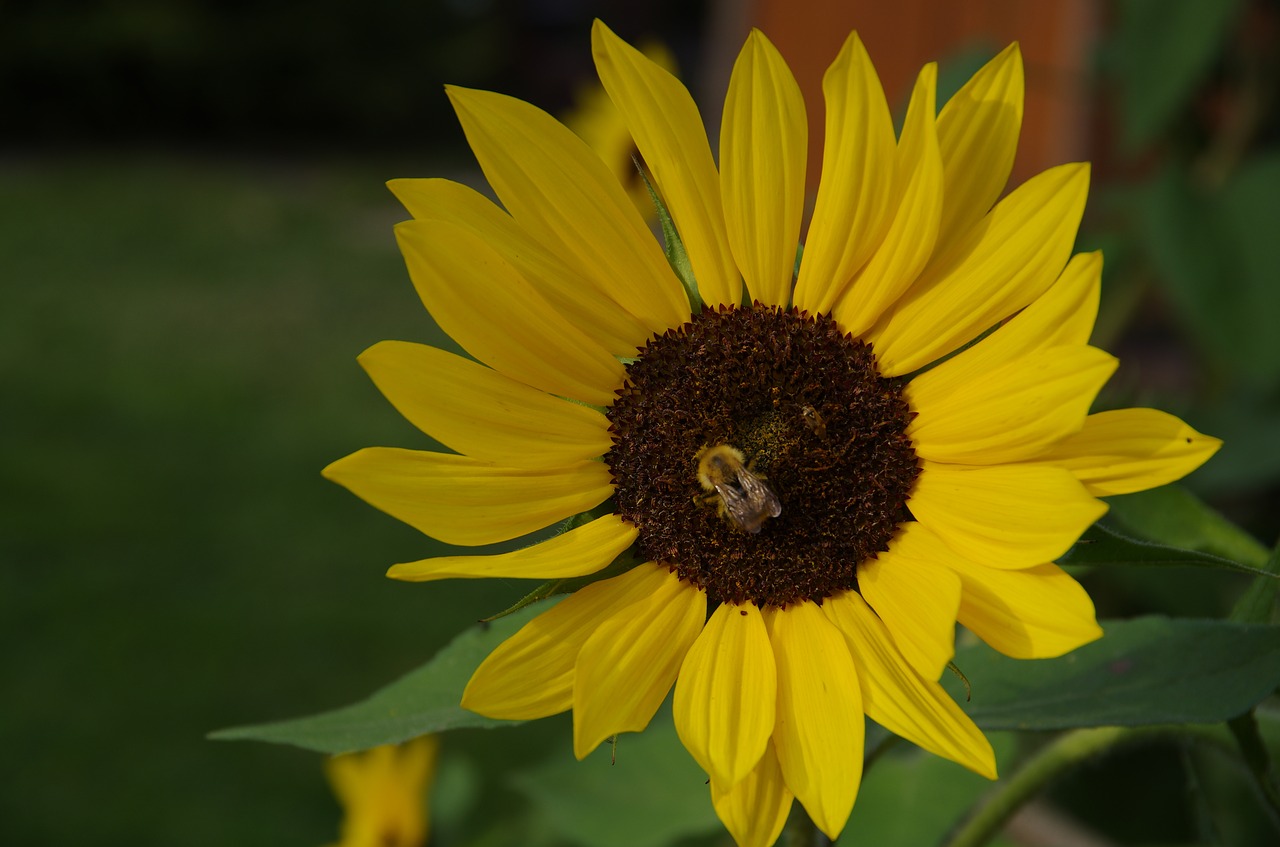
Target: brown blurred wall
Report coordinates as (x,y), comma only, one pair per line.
(902,35)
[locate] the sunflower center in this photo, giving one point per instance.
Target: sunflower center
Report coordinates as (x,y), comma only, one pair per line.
(761,454)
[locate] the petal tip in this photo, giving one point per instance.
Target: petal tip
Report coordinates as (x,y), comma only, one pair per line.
(583,745)
(335,470)
(400,572)
(372,352)
(1079,171)
(604,40)
(461,97)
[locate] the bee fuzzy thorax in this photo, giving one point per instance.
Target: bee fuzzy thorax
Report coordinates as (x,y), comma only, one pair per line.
(741,496)
(718,463)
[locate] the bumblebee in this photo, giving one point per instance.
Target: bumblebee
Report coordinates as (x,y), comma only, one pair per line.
(742,496)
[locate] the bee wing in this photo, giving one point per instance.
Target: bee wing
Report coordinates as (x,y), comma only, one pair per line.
(761,495)
(748,502)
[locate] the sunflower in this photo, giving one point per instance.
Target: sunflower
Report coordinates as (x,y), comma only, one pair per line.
(815,467)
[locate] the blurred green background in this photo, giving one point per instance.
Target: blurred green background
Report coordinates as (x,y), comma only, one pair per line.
(196,243)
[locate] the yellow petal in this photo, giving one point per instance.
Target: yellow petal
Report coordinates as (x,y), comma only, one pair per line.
(1006,516)
(669,134)
(589,304)
(564,196)
(1127,450)
(1032,613)
(530,675)
(462,501)
(978,132)
(628,665)
(1065,314)
(418,758)
(725,698)
(819,736)
(578,552)
(349,773)
(909,241)
(854,207)
(1062,316)
(1012,412)
(483,303)
(754,809)
(916,596)
(382,790)
(595,120)
(482,413)
(899,699)
(763,140)
(1000,265)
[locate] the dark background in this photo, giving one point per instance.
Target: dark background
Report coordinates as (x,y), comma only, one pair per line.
(291,78)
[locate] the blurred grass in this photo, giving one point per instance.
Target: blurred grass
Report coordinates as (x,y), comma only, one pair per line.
(178,350)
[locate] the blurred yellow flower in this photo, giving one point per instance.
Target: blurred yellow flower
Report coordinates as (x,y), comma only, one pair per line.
(383,793)
(598,122)
(820,471)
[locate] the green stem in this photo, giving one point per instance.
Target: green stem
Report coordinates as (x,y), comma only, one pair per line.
(1258,760)
(1196,802)
(801,830)
(1058,757)
(889,742)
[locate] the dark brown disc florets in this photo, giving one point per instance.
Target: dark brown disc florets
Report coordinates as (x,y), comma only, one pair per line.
(813,420)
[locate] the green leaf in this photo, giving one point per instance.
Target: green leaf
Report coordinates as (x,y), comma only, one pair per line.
(424,700)
(1218,259)
(550,588)
(1247,422)
(673,245)
(1253,749)
(1161,51)
(1143,672)
(910,797)
(1245,215)
(651,795)
(1103,546)
(1172,516)
(568,585)
(1258,603)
